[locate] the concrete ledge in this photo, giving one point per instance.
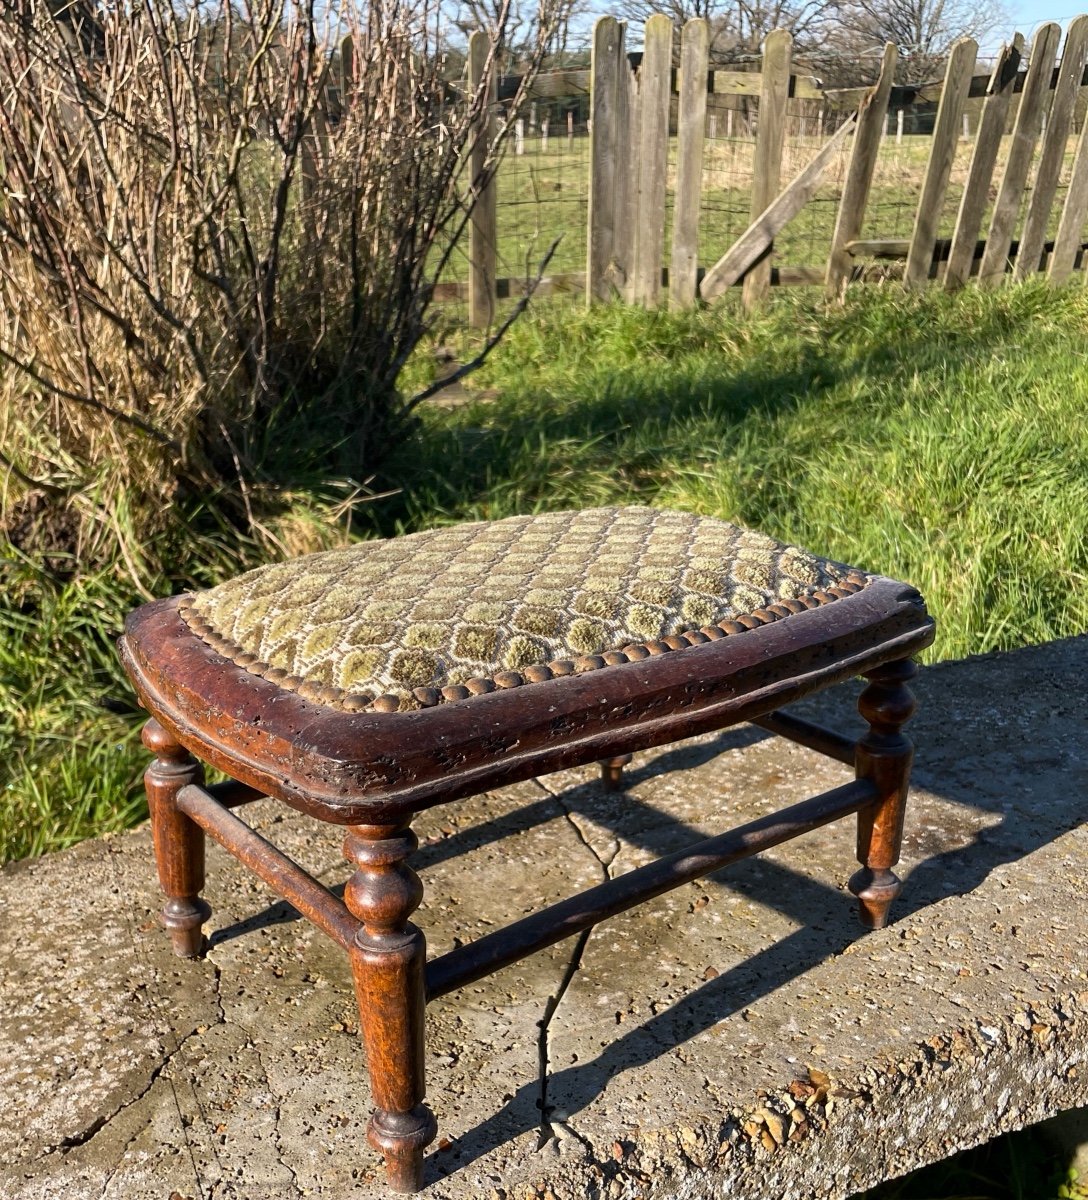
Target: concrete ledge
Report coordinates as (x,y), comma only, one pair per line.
(739,1036)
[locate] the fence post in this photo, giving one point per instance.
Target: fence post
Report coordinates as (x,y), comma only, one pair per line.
(976,191)
(691,123)
(482,225)
(774,91)
(607,158)
(1067,242)
(942,152)
(872,117)
(1029,119)
(654,88)
(1030,254)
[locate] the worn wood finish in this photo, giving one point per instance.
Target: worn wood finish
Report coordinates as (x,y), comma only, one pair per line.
(607,156)
(749,83)
(770,141)
(388,956)
(653,158)
(884,758)
(1029,121)
(976,191)
(625,197)
(1067,242)
(312,899)
(488,954)
(371,771)
(754,243)
(904,95)
(612,771)
(690,135)
(353,767)
(179,843)
(577,81)
(942,153)
(1048,171)
(483,223)
(872,115)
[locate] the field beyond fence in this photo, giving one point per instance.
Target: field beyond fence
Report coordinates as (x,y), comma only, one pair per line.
(667,180)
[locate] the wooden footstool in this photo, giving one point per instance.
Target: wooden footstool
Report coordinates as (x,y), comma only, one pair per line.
(364,685)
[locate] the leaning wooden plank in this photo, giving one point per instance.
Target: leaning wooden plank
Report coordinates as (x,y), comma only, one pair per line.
(976,191)
(770,142)
(942,153)
(1067,242)
(654,86)
(483,226)
(1029,121)
(755,241)
(1052,155)
(608,61)
(872,114)
(691,125)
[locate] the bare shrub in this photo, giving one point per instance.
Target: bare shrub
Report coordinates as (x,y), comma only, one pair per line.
(218,229)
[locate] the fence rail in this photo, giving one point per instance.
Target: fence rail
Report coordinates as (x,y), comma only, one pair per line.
(697,180)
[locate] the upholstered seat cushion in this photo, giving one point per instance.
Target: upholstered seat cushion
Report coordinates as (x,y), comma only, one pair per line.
(451,613)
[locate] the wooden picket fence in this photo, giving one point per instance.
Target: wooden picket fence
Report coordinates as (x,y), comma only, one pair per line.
(648,126)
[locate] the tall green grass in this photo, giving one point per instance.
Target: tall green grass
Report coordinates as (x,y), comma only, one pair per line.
(942,440)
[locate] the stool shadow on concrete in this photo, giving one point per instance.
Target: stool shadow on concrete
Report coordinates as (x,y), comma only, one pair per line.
(1033,779)
(974,764)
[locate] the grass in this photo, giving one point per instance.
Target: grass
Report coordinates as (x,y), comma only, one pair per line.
(938,439)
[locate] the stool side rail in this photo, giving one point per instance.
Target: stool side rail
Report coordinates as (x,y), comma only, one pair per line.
(312,899)
(474,961)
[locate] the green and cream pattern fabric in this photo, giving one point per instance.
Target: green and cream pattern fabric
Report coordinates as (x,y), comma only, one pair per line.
(452,613)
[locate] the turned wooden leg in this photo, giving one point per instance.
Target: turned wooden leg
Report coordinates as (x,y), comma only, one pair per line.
(612,771)
(179,842)
(883,755)
(387,960)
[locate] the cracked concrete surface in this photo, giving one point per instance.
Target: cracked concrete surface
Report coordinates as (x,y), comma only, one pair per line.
(738,1036)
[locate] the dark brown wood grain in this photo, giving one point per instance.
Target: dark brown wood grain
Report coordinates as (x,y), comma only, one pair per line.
(374,767)
(884,757)
(179,843)
(372,771)
(312,899)
(388,957)
(488,954)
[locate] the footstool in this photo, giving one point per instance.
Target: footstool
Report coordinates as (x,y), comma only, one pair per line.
(366,684)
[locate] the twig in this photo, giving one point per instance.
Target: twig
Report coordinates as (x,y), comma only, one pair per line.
(492,342)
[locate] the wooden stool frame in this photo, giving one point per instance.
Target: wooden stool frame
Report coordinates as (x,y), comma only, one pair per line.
(373,772)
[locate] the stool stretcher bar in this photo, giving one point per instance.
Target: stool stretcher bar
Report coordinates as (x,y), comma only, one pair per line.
(286,878)
(487,954)
(808,733)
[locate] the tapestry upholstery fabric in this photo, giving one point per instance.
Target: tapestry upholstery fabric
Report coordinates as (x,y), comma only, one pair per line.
(453,613)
